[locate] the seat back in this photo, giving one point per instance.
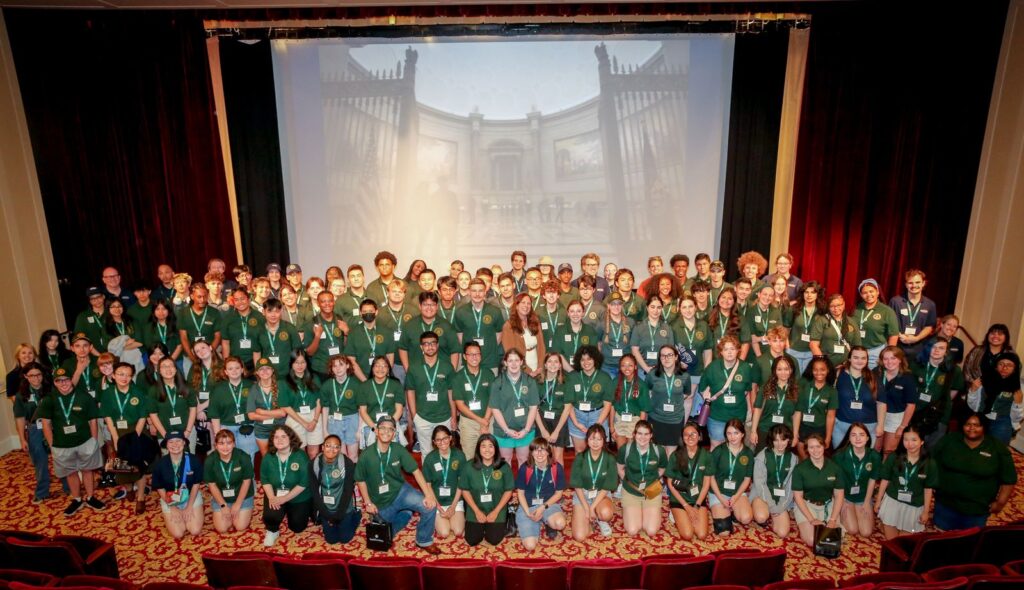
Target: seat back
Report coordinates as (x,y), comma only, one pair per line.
(953,584)
(1014,568)
(995,582)
(51,557)
(530,574)
(881,577)
(175,586)
(604,574)
(477,574)
(392,574)
(951,548)
(999,545)
(227,570)
(750,569)
(801,585)
(328,556)
(98,581)
(27,577)
(301,574)
(720,587)
(672,573)
(966,570)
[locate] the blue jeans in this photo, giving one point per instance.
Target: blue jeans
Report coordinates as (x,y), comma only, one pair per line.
(948,519)
(1001,428)
(40,460)
(399,513)
(716,429)
(343,530)
(244,442)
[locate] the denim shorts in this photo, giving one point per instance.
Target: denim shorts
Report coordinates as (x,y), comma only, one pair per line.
(530,528)
(716,429)
(587,419)
(247,504)
(347,429)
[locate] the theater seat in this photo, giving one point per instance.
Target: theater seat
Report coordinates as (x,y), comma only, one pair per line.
(61,558)
(995,582)
(175,586)
(800,585)
(227,570)
(604,574)
(999,544)
(389,574)
(302,574)
(720,587)
(28,577)
(23,586)
(966,570)
(101,581)
(926,551)
(329,556)
(879,578)
(477,574)
(530,574)
(750,569)
(672,573)
(953,584)
(1014,568)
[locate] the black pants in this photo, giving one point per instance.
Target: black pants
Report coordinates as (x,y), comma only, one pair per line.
(298,514)
(494,532)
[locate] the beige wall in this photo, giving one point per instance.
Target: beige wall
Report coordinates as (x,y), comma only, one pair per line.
(31,301)
(992,281)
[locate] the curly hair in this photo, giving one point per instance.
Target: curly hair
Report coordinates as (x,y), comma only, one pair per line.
(293,439)
(752,257)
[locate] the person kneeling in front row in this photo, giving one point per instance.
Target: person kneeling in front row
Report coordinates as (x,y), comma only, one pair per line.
(332,476)
(176,478)
(285,476)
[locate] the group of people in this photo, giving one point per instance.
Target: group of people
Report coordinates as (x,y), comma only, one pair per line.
(760,400)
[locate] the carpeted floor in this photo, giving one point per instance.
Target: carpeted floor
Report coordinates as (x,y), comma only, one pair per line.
(146,553)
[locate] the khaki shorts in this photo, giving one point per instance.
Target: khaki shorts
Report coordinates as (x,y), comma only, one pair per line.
(308,438)
(629,500)
(818,512)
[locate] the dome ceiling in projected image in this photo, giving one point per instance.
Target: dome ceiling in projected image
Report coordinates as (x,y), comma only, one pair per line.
(503,79)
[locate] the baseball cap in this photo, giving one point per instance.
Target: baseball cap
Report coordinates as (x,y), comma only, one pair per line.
(871,282)
(273,266)
(615,299)
(565,266)
(93,292)
(387,419)
(60,373)
(292,268)
(717,266)
(80,336)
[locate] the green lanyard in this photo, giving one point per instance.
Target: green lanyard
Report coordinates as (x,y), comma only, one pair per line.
(121,404)
(268,400)
(780,399)
(444,467)
(380,401)
(908,473)
(486,479)
(204,374)
(334,392)
(764,316)
(478,316)
(549,389)
(594,472)
(575,338)
(372,340)
(198,325)
(245,328)
(328,330)
(912,311)
(858,467)
(383,462)
(282,468)
(302,390)
(227,474)
(616,334)
(515,388)
(667,378)
(120,327)
(236,395)
(473,386)
(440,309)
(271,336)
(930,371)
(431,379)
(161,330)
(807,319)
(651,330)
(643,462)
(552,323)
(857,383)
(689,335)
(778,468)
(732,463)
(811,400)
(587,385)
(172,395)
(540,482)
(397,319)
(67,410)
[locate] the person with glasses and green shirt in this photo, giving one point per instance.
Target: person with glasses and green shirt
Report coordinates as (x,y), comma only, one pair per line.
(441,468)
(228,410)
(332,482)
(367,342)
(379,396)
(471,390)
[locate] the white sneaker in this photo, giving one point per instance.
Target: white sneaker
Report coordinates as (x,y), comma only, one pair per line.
(270,539)
(671,517)
(606,529)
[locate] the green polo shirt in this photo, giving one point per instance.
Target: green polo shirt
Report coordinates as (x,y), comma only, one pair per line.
(567,341)
(615,342)
(377,469)
(595,389)
(590,474)
(27,409)
(800,323)
(695,340)
(514,398)
(763,367)
(173,410)
(89,381)
(732,404)
(858,472)
(777,467)
(205,323)
(124,409)
(757,322)
(826,330)
(228,402)
(553,396)
(264,400)
(725,466)
(484,327)
(332,342)
(299,395)
(777,410)
(813,404)
(91,323)
(285,475)
(232,474)
(347,306)
(340,398)
(153,333)
(551,322)
(641,468)
(818,485)
(394,323)
(473,390)
(630,403)
(634,309)
(205,380)
(687,476)
(277,345)
(448,339)
(649,339)
(69,416)
(443,473)
(969,479)
(668,392)
(912,478)
(875,325)
(241,332)
(140,314)
(364,344)
(934,385)
(593,315)
(484,482)
(380,398)
(432,387)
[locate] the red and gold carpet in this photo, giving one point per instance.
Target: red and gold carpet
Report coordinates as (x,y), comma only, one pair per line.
(146,553)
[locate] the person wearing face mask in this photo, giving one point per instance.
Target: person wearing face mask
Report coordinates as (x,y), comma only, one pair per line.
(367,342)
(332,481)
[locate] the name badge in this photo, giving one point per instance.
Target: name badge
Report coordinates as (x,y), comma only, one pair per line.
(485,497)
(584,406)
(694,490)
(652,355)
(175,497)
(863,333)
(329,500)
(854,490)
(543,325)
(91,320)
(838,349)
(444,492)
(228,493)
(568,338)
(729,398)
(437,467)
(378,416)
(122,425)
(805,337)
(729,484)
(467,387)
(925,397)
(577,387)
(591,494)
(776,419)
(537,502)
(476,406)
(431,396)
(39,424)
(991,416)
(904,496)
(267,421)
(757,318)
(549,415)
(175,420)
(355,313)
(282,492)
(383,488)
(338,416)
(626,417)
(669,407)
(616,352)
(334,350)
(778,492)
(239,418)
(204,395)
(245,344)
(910,330)
(275,359)
(397,335)
(856,405)
(809,417)
(70,429)
(519,412)
(305,410)
(479,341)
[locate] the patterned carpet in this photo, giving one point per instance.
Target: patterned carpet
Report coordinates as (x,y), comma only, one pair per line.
(146,553)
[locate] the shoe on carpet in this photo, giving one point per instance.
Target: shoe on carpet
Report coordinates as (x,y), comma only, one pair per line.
(606,529)
(140,505)
(431,549)
(39,500)
(120,494)
(270,539)
(73,507)
(95,503)
(550,533)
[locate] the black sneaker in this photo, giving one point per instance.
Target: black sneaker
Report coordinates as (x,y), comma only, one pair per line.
(550,532)
(94,503)
(120,494)
(73,507)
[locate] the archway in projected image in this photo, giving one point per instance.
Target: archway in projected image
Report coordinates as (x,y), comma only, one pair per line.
(587,176)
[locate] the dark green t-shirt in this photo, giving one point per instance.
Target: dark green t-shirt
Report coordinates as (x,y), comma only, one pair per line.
(124,409)
(473,390)
(486,485)
(730,470)
(70,416)
(443,473)
(858,472)
(908,482)
(688,479)
(205,323)
(340,398)
(288,474)
(229,476)
(380,398)
(382,472)
(733,403)
(484,327)
(969,479)
(814,404)
(432,388)
(589,393)
(278,344)
(514,400)
(591,474)
(641,469)
(230,403)
(818,485)
(241,332)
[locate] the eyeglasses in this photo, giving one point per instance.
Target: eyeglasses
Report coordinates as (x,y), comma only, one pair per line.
(385,429)
(442,439)
(332,447)
(34,375)
(668,355)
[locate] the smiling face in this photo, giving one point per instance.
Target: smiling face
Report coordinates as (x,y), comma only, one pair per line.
(281,441)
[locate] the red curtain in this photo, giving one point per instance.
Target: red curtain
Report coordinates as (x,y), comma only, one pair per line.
(891,131)
(121,117)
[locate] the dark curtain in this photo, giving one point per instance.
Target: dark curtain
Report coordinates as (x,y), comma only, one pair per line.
(891,132)
(248,75)
(758,81)
(124,134)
